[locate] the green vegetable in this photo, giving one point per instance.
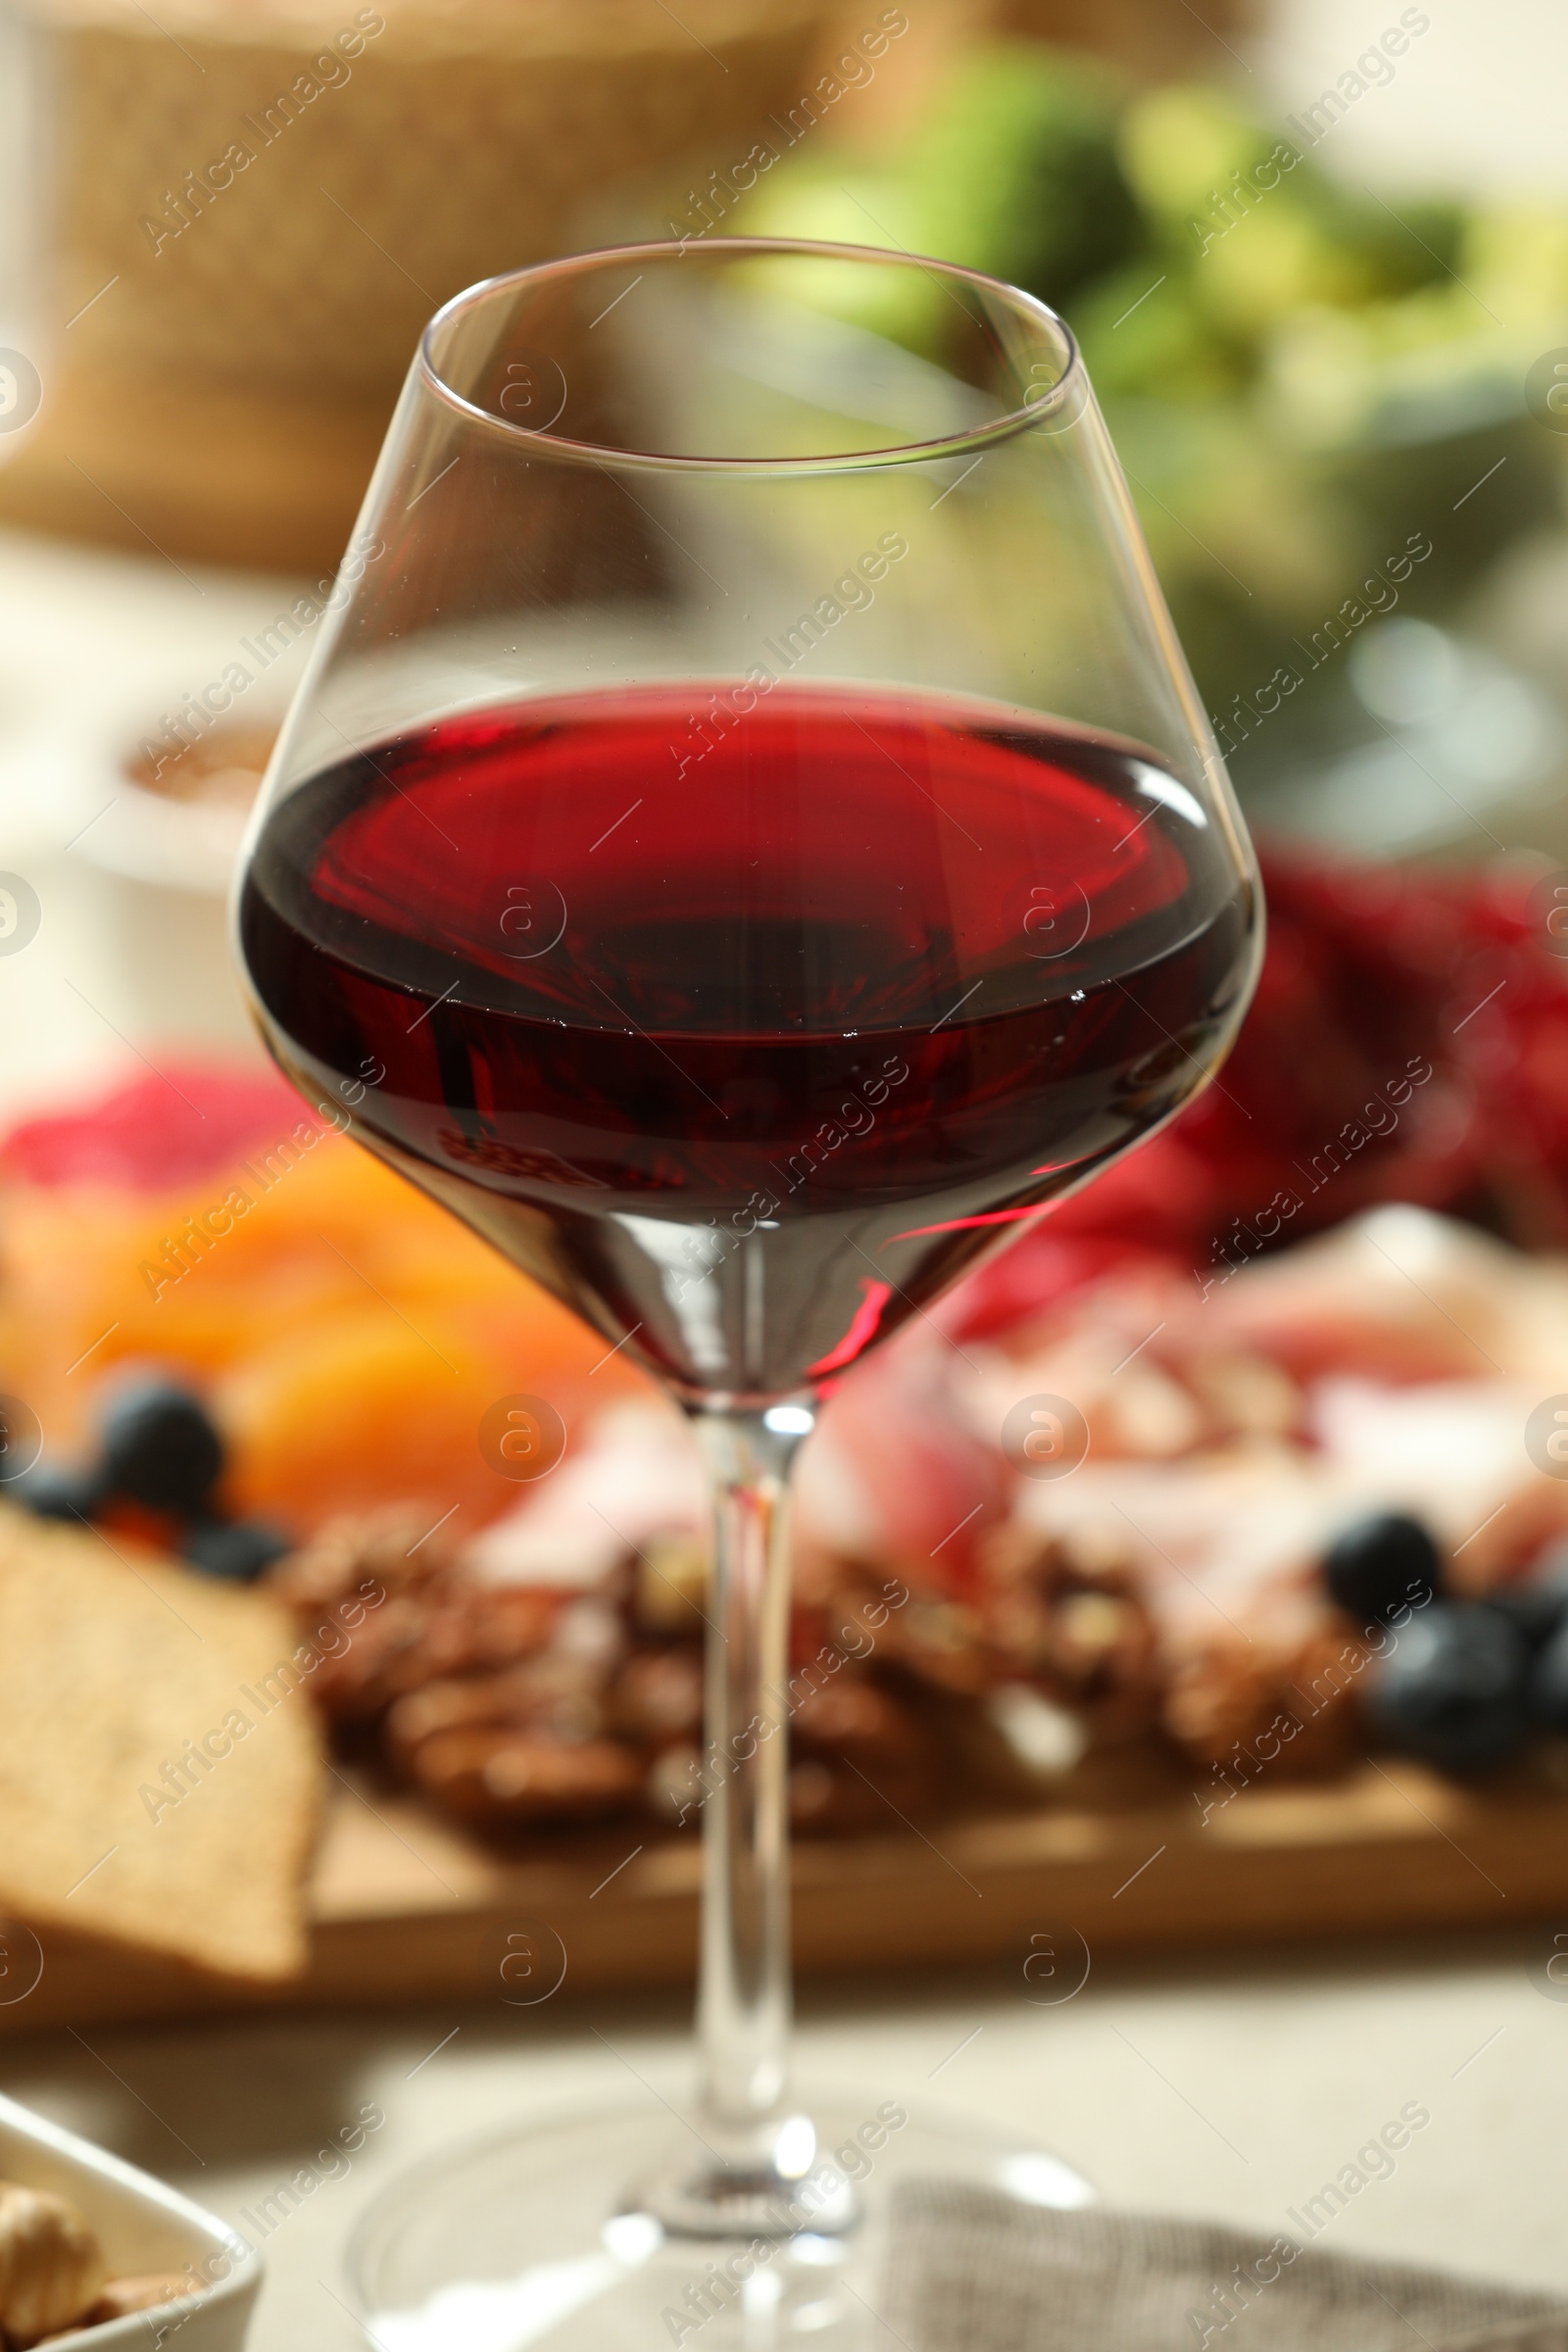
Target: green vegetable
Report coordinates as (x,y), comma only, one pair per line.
(1020,173)
(1298,372)
(1015,172)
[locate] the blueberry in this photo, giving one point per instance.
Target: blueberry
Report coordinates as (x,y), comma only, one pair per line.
(1548,1682)
(160,1448)
(56,1493)
(1382,1564)
(1451,1689)
(237,1549)
(1535,1610)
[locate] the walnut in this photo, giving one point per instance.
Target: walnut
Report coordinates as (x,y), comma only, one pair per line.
(1287,1709)
(671,1591)
(122,2296)
(1079,1632)
(673,1789)
(51,2265)
(385,1655)
(395,1548)
(657,1696)
(419,1637)
(931,1636)
(859,1759)
(554,1698)
(499,1777)
(482,1628)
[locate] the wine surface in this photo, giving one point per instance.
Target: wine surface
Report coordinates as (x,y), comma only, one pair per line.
(746,1031)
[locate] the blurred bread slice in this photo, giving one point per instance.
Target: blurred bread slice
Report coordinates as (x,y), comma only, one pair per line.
(161,1773)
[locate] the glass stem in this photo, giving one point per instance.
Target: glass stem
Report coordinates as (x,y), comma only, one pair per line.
(744,2005)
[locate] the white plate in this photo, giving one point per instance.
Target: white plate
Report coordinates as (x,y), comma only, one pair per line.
(143,2227)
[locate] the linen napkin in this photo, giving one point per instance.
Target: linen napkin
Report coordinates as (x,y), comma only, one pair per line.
(969,2270)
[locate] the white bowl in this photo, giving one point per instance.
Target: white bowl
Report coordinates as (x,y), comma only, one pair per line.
(180,845)
(143,2227)
(149,880)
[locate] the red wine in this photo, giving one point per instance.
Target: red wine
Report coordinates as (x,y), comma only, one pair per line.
(745,1030)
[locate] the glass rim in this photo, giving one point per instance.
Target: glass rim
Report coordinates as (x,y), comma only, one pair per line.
(903,453)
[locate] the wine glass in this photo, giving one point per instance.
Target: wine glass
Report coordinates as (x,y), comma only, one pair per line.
(746,843)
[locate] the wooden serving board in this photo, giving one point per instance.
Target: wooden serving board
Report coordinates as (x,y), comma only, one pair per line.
(406,1908)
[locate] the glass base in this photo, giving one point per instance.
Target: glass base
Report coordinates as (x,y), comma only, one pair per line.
(549,2237)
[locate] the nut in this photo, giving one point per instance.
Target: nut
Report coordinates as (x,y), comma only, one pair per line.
(500,1778)
(1287,1706)
(658,1697)
(425,1634)
(859,1759)
(390,1545)
(671,1584)
(122,2296)
(51,2265)
(1079,1632)
(551,1696)
(673,1787)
